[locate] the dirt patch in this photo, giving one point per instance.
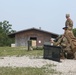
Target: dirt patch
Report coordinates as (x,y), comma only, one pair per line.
(66,67)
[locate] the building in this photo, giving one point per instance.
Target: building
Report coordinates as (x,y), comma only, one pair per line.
(37,36)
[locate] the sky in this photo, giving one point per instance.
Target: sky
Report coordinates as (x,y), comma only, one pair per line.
(47,14)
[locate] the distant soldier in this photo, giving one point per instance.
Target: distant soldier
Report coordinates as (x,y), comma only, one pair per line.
(69,22)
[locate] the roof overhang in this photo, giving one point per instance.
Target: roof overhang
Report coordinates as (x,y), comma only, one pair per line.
(53,35)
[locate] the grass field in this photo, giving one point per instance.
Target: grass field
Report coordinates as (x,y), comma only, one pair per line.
(21,51)
(27,71)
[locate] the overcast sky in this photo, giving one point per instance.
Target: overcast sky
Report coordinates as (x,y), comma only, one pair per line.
(47,14)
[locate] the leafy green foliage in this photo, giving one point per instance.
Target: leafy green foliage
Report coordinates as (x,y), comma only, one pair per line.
(74,31)
(5,29)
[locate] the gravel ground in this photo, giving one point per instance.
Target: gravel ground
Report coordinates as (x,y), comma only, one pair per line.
(66,67)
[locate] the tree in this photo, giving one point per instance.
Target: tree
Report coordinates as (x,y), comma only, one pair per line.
(74,31)
(5,29)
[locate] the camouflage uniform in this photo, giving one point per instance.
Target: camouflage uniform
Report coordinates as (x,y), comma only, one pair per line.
(65,42)
(69,22)
(68,40)
(71,39)
(68,33)
(70,36)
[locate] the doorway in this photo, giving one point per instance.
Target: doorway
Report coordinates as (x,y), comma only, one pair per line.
(33,41)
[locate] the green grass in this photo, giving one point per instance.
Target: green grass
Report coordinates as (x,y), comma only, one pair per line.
(19,51)
(21,71)
(28,71)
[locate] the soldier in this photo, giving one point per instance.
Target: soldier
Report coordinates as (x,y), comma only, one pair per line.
(69,22)
(69,33)
(71,39)
(61,39)
(64,42)
(68,53)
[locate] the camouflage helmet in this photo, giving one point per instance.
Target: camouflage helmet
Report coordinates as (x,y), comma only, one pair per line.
(67,15)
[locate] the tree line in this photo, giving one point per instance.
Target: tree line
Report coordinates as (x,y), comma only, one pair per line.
(5,29)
